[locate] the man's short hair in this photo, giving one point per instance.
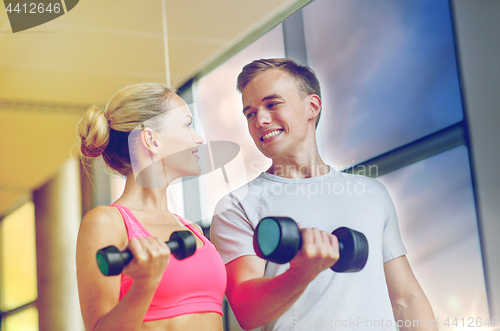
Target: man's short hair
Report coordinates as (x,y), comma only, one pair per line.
(304,76)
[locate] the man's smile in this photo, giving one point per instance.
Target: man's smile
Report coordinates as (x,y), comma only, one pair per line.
(271,134)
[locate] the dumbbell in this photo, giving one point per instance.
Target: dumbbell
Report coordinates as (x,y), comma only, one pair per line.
(278,239)
(111,261)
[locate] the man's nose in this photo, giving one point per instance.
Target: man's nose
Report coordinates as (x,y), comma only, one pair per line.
(263,117)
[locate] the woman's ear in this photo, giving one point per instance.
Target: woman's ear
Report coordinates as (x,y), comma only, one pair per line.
(150,141)
(314,106)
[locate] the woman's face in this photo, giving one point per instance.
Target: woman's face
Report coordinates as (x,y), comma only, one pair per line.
(178,141)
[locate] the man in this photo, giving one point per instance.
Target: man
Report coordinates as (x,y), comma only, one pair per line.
(282,104)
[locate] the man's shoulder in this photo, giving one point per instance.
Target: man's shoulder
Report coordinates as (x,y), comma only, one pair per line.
(361,177)
(369,186)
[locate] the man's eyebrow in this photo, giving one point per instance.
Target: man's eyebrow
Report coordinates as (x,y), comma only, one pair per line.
(269,97)
(272,96)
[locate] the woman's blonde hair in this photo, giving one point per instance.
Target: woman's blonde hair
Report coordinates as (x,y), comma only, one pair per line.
(105,132)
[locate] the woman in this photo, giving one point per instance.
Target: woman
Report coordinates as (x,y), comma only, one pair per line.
(145,133)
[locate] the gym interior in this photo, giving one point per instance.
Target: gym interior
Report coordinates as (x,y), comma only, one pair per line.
(410,97)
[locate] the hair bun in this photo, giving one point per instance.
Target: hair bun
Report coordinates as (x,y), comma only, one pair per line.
(93,132)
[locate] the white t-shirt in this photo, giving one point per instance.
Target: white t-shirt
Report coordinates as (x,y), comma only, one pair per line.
(332,301)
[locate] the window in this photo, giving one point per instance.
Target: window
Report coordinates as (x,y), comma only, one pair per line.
(18,270)
(437,218)
(388,73)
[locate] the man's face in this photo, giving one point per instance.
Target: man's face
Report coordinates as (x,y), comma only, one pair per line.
(277,113)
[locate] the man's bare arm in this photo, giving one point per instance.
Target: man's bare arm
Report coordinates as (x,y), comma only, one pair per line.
(408,300)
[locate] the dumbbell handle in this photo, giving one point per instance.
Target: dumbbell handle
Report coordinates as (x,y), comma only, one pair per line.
(342,253)
(111,261)
(127,256)
(341,247)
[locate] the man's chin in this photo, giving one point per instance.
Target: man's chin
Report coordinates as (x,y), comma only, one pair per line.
(271,154)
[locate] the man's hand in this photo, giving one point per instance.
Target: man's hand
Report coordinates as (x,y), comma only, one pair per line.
(319,251)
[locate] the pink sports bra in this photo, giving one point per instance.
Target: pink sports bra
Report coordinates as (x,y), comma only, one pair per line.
(193,285)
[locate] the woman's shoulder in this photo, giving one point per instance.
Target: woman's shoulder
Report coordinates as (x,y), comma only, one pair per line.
(193,224)
(104,215)
(197,227)
(103,222)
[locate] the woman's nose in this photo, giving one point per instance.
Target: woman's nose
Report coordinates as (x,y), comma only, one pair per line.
(199,140)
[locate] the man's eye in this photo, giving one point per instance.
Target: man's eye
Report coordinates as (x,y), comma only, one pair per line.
(271,104)
(249,115)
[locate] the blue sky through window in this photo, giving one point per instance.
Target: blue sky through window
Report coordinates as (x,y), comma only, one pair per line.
(388,73)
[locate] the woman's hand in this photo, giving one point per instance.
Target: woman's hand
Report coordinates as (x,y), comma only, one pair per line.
(151,258)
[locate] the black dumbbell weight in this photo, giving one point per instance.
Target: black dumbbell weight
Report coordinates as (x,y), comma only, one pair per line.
(111,261)
(278,239)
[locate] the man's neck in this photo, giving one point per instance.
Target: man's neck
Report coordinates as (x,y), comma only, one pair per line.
(293,167)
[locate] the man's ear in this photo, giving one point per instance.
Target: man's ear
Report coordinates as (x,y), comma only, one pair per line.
(150,141)
(314,106)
